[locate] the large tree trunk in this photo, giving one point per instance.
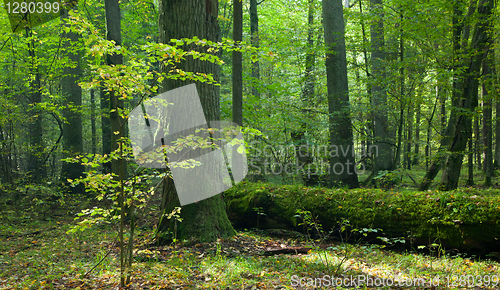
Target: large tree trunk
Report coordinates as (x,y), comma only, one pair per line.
(205,220)
(468,100)
(237,63)
(382,137)
(342,165)
(72,92)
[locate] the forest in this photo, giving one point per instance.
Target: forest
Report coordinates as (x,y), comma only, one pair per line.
(249,144)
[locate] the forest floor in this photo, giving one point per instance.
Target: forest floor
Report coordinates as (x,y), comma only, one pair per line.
(36,252)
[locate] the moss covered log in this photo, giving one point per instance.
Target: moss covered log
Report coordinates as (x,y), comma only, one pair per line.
(466,219)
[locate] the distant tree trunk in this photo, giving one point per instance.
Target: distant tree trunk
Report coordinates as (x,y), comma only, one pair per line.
(470,164)
(205,220)
(442,100)
(72,92)
(367,129)
(303,152)
(428,146)
(487,122)
(338,96)
(497,134)
(468,99)
(397,158)
(113,32)
(254,34)
(35,129)
(92,121)
(416,154)
(409,137)
(237,63)
(382,140)
(6,141)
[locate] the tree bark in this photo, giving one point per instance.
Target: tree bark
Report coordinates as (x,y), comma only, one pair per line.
(72,92)
(205,220)
(342,165)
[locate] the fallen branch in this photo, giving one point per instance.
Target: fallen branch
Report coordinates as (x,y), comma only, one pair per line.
(290,250)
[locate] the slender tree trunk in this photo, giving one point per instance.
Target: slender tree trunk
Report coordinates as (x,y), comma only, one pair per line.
(254,34)
(205,220)
(338,96)
(433,171)
(382,140)
(477,146)
(497,134)
(487,121)
(416,152)
(237,63)
(106,128)
(442,101)
(409,140)
(303,151)
(399,148)
(92,121)
(72,92)
(470,164)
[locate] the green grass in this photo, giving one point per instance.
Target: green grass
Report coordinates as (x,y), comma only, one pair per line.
(37,253)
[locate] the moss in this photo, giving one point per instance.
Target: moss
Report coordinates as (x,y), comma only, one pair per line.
(457,218)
